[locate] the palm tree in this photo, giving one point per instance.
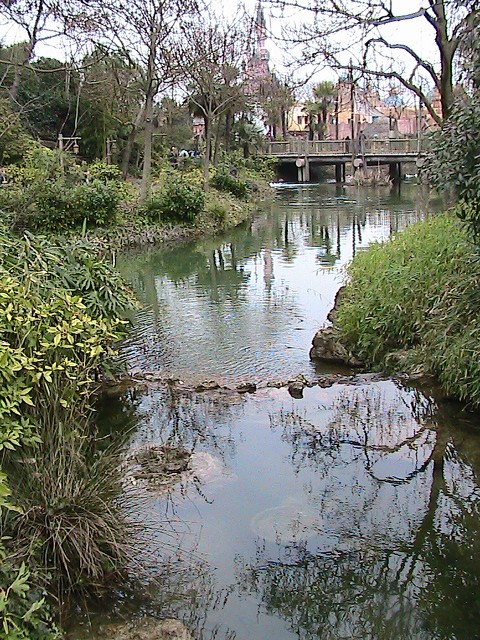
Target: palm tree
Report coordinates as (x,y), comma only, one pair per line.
(319,106)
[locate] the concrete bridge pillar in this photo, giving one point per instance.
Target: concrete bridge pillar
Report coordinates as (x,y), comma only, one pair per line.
(395,171)
(340,172)
(303,169)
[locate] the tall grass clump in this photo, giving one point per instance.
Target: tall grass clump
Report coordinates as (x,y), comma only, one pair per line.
(418,293)
(62,526)
(73,523)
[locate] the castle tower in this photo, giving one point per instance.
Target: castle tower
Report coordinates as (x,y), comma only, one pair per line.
(257,69)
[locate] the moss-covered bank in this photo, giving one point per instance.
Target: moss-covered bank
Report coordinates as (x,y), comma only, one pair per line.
(412,304)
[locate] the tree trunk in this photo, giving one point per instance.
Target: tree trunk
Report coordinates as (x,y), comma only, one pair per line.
(26,57)
(284,124)
(208,151)
(228,130)
(447,49)
(147,151)
(217,142)
(127,152)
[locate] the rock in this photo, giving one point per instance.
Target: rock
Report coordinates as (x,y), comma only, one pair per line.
(158,465)
(295,389)
(208,385)
(246,387)
(333,311)
(144,629)
(326,381)
(327,348)
(276,384)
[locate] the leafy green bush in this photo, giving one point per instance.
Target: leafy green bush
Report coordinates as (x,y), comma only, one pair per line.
(262,166)
(60,207)
(454,163)
(59,320)
(231,184)
(41,165)
(44,195)
(100,170)
(179,201)
(419,293)
(24,614)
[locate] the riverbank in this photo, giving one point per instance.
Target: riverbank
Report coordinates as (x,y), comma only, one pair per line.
(221,211)
(44,196)
(412,305)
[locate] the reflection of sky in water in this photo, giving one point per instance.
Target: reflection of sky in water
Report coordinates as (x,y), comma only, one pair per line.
(329,517)
(351,513)
(248,305)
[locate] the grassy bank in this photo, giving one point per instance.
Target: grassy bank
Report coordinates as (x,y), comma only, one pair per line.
(413,304)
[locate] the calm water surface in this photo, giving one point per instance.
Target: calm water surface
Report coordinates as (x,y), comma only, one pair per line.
(249,303)
(350,513)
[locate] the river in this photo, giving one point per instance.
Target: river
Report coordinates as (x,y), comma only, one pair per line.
(349,513)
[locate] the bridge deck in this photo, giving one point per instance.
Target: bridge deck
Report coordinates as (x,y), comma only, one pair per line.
(394,150)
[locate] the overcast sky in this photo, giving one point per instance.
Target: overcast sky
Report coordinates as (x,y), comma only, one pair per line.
(417,34)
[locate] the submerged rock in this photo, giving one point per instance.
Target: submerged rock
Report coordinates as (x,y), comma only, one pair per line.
(159,468)
(144,629)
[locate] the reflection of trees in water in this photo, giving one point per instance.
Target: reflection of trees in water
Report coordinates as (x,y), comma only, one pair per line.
(182,586)
(359,595)
(363,424)
(187,589)
(190,422)
(409,571)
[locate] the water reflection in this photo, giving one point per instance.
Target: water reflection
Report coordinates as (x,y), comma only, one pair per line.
(349,513)
(397,553)
(352,513)
(248,304)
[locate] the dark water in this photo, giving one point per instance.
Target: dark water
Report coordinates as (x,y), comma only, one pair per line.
(350,513)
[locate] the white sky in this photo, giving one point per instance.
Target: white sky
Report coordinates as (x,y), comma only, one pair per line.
(417,34)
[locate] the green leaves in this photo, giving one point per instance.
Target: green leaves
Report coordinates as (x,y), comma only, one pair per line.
(454,163)
(418,296)
(178,201)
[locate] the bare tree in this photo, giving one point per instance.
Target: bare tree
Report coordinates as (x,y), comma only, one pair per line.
(333,30)
(211,58)
(36,22)
(147,33)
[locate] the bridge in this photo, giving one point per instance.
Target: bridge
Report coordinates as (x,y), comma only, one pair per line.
(363,152)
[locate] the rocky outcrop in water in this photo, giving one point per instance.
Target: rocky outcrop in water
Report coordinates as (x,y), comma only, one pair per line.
(327,347)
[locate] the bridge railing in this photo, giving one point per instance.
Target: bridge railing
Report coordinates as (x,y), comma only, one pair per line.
(390,146)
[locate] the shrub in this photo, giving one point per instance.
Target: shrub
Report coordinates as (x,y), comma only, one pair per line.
(57,206)
(419,292)
(43,196)
(225,182)
(52,343)
(24,614)
(179,202)
(454,163)
(105,173)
